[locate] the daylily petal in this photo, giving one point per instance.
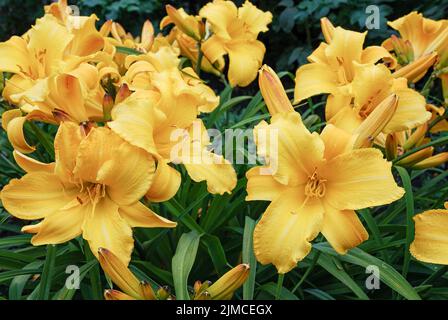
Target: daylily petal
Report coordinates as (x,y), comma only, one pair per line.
(87,40)
(105,228)
(127,171)
(335,103)
(255,19)
(165,184)
(65,94)
(373,54)
(245,58)
(14,56)
(134,120)
(411,111)
(138,215)
(36,195)
(32,165)
(298,151)
(220,15)
(283,235)
(431,239)
(66,144)
(337,141)
(346,47)
(212,168)
(214,48)
(360,179)
(262,186)
(313,79)
(14,128)
(49,39)
(343,229)
(347,118)
(63,225)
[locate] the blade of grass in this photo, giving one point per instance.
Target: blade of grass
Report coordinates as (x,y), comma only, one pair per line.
(47,273)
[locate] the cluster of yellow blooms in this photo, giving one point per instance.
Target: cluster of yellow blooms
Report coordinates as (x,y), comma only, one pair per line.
(117,100)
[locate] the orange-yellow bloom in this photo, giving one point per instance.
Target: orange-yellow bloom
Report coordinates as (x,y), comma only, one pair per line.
(431,237)
(332,65)
(163,115)
(370,86)
(93,189)
(319,182)
(235,32)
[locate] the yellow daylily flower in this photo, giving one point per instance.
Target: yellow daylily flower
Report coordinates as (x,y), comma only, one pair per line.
(46,49)
(235,31)
(424,36)
(60,97)
(93,189)
(430,242)
(332,65)
(370,86)
(319,182)
(166,104)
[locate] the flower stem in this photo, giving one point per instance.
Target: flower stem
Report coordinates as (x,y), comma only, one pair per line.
(281,276)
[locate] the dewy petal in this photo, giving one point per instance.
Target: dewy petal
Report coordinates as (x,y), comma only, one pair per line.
(255,19)
(431,237)
(313,79)
(35,196)
(134,120)
(63,225)
(105,158)
(262,186)
(343,229)
(32,165)
(289,148)
(66,144)
(138,215)
(283,235)
(105,228)
(245,58)
(411,111)
(165,184)
(359,179)
(337,141)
